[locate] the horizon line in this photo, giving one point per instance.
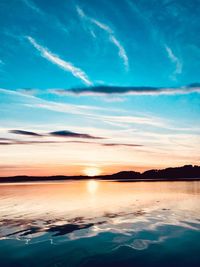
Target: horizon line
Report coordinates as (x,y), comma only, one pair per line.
(100,175)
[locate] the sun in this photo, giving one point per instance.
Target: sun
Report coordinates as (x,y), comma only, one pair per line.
(92,171)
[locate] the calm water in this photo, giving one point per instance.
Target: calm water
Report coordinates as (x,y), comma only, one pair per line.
(99,223)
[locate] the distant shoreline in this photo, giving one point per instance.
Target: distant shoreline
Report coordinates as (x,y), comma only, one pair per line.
(160,180)
(184,173)
(98,179)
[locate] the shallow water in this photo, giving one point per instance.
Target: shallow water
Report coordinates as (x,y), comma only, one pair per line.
(100,223)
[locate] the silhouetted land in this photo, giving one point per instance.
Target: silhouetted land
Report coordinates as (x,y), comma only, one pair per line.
(185,173)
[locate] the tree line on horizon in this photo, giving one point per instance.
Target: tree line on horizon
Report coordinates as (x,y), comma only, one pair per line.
(171,173)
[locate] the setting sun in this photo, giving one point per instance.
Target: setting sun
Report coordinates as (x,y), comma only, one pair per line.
(92,171)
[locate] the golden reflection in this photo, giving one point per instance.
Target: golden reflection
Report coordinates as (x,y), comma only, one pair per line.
(92,186)
(83,198)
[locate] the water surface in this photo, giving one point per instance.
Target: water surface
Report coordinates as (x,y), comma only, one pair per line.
(100,223)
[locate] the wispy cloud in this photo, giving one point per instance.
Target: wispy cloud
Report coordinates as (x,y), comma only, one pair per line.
(32,101)
(119,121)
(120,90)
(102,26)
(111,36)
(22,132)
(68,134)
(33,6)
(65,133)
(9,141)
(28,91)
(55,59)
(143,120)
(1,67)
(80,12)
(122,52)
(66,108)
(118,118)
(46,16)
(17,93)
(175,60)
(122,144)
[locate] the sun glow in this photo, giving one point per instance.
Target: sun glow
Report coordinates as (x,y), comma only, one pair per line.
(92,171)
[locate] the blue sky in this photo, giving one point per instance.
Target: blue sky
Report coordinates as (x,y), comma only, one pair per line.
(124,72)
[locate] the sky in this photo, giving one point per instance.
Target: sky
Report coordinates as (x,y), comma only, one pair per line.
(98,86)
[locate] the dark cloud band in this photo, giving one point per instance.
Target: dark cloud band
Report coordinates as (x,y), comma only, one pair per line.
(73,134)
(63,133)
(22,132)
(140,90)
(9,141)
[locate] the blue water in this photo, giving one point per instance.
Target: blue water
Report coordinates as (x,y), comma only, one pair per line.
(100,224)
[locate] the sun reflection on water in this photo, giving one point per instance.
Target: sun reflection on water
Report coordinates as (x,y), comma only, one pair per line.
(92,186)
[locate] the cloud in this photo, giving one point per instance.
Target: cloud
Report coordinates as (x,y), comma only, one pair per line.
(46,16)
(35,102)
(18,93)
(73,134)
(110,32)
(5,143)
(10,141)
(122,144)
(102,26)
(132,90)
(28,91)
(18,142)
(22,132)
(122,52)
(32,6)
(81,110)
(126,120)
(119,121)
(80,12)
(55,59)
(176,61)
(102,90)
(62,133)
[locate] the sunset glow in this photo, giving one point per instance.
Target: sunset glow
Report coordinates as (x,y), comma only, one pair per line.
(92,171)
